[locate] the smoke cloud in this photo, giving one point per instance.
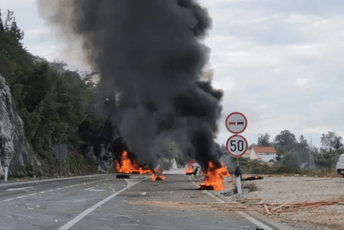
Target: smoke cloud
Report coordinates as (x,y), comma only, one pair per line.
(151,60)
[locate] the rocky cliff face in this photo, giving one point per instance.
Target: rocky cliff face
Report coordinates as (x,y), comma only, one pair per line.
(14,149)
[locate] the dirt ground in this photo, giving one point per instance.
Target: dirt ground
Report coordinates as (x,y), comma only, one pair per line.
(300,202)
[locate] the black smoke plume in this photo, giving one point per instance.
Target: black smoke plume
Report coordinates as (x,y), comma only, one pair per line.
(151,59)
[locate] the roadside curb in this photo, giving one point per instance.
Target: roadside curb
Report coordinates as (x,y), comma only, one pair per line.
(268,220)
(250,213)
(52,179)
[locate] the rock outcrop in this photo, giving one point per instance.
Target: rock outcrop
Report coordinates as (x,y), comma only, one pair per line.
(14,149)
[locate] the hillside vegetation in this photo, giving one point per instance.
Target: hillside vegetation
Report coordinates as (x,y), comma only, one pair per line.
(55,107)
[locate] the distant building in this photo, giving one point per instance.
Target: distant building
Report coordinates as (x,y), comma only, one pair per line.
(265,154)
(247,154)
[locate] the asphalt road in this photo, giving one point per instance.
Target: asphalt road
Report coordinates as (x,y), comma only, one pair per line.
(104,202)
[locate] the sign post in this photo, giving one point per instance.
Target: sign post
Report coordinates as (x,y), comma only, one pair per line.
(236,145)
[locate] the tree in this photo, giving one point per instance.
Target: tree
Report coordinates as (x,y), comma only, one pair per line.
(331,147)
(286,149)
(302,150)
(328,159)
(286,139)
(10,26)
(331,141)
(264,140)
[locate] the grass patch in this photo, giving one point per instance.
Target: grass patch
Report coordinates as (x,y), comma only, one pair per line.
(252,187)
(266,169)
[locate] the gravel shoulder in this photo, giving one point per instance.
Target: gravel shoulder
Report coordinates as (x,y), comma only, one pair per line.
(300,202)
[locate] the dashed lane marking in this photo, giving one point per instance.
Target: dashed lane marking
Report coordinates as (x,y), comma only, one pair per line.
(19,189)
(79,217)
(19,197)
(50,190)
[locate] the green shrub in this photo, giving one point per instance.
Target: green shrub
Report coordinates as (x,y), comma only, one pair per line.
(251,187)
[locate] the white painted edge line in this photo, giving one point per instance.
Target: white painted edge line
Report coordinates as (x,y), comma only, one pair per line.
(210,194)
(256,222)
(76,219)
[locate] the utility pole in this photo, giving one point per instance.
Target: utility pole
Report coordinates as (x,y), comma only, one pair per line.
(310,157)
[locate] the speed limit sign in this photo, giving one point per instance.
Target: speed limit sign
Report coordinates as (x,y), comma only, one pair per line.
(236,145)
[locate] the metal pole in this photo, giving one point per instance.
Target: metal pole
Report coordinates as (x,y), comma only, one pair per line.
(310,155)
(6,173)
(239,179)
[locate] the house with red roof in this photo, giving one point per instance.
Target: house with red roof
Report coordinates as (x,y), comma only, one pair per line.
(266,154)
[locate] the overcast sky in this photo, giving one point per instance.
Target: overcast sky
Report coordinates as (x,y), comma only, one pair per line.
(279,62)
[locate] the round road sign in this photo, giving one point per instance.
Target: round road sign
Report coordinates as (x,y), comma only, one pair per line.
(236,122)
(236,146)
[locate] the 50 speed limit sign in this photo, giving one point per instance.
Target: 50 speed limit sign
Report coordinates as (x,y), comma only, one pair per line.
(236,145)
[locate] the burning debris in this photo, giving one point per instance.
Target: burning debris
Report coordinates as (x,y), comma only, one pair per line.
(189,170)
(127,165)
(214,177)
(157,177)
(131,166)
(257,177)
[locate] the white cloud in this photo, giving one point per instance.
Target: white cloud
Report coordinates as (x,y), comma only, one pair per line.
(285,61)
(302,82)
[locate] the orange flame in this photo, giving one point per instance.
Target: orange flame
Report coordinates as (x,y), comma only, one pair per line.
(157,177)
(214,177)
(132,166)
(189,169)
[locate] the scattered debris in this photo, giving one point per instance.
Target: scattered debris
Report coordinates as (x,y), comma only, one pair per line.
(295,206)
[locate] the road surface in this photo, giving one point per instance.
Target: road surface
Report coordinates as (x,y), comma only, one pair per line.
(104,202)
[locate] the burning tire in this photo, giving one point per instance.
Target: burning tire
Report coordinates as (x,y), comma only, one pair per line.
(122,176)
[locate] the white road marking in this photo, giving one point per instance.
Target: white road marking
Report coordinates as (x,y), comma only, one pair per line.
(19,197)
(211,227)
(215,197)
(256,222)
(150,226)
(57,179)
(19,189)
(210,194)
(51,190)
(96,190)
(76,219)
